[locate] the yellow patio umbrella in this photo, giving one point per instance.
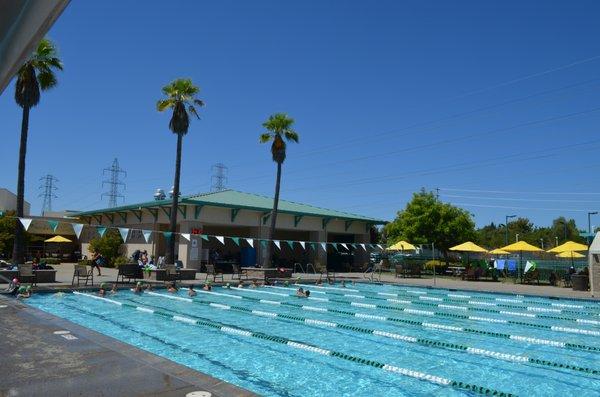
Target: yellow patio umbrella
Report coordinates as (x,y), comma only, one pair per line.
(402,246)
(499,251)
(570,254)
(520,247)
(569,246)
(58,239)
(468,247)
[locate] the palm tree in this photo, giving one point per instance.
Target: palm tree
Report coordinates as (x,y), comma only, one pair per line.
(279,129)
(37,73)
(181,97)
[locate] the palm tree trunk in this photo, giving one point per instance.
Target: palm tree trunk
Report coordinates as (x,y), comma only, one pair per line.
(18,256)
(172,242)
(268,263)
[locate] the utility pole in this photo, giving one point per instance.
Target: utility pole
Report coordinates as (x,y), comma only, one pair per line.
(542,242)
(48,188)
(218,180)
(590,220)
(114,183)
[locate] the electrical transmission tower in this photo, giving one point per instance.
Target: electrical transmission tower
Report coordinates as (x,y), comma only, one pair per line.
(114,183)
(47,187)
(219,177)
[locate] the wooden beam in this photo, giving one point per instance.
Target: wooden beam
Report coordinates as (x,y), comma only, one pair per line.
(154,212)
(297,219)
(111,218)
(234,213)
(182,212)
(123,216)
(324,222)
(367,227)
(197,210)
(98,218)
(166,210)
(138,214)
(265,217)
(347,225)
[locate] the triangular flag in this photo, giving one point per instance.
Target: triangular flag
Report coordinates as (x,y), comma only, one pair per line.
(221,239)
(530,265)
(250,241)
(77,228)
(380,246)
(147,234)
(277,243)
(344,245)
(290,243)
(53,225)
(236,240)
(167,235)
(313,246)
(263,244)
(204,237)
(101,230)
(124,233)
(26,222)
(186,236)
(363,246)
(303,244)
(324,245)
(334,245)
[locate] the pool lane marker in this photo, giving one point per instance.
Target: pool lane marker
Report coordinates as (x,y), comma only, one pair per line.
(465,308)
(392,335)
(239,331)
(524,339)
(456,316)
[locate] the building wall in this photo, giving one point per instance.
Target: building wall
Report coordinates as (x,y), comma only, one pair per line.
(8,202)
(223,221)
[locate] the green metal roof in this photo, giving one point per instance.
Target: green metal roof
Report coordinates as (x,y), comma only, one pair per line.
(241,200)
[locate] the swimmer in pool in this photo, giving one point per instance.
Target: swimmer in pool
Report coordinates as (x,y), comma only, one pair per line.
(24,292)
(191,292)
(172,288)
(102,290)
(207,287)
(114,289)
(138,288)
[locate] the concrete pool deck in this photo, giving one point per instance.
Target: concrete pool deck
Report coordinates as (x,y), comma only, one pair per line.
(77,361)
(64,274)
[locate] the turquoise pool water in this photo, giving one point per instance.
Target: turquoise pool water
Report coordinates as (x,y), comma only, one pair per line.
(362,340)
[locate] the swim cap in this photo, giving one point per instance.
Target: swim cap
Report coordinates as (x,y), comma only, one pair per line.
(103,285)
(227,285)
(22,289)
(139,284)
(15,281)
(209,282)
(286,283)
(28,288)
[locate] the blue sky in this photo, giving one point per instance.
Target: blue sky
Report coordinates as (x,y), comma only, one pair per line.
(497,104)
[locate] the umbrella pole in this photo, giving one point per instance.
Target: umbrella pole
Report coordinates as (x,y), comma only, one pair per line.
(520,273)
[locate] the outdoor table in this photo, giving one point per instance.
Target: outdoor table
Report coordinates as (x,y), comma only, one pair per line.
(42,276)
(264,273)
(160,274)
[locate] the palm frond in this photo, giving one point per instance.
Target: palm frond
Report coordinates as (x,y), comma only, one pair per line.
(193,111)
(291,135)
(265,137)
(199,102)
(47,79)
(163,104)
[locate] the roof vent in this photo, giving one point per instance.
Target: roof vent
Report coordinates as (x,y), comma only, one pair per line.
(159,195)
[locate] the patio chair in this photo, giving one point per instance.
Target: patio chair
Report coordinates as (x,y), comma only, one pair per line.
(81,272)
(399,271)
(530,276)
(27,275)
(374,272)
(172,273)
(237,272)
(211,271)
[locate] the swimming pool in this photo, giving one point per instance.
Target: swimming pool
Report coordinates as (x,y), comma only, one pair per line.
(362,340)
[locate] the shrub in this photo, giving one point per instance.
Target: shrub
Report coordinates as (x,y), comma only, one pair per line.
(51,261)
(121,260)
(108,246)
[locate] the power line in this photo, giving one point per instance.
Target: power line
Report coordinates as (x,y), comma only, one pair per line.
(218,178)
(48,188)
(114,183)
(520,199)
(519,192)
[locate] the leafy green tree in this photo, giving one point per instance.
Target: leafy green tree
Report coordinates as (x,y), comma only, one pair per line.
(181,98)
(37,73)
(7,234)
(108,245)
(427,220)
(279,130)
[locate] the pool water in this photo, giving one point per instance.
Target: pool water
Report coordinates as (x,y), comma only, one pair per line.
(358,340)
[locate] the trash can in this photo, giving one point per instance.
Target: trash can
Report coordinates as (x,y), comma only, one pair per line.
(580,282)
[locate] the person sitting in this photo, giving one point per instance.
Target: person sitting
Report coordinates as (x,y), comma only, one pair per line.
(24,292)
(138,288)
(114,289)
(102,290)
(172,288)
(191,292)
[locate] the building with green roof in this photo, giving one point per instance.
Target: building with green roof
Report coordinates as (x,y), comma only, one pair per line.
(230,213)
